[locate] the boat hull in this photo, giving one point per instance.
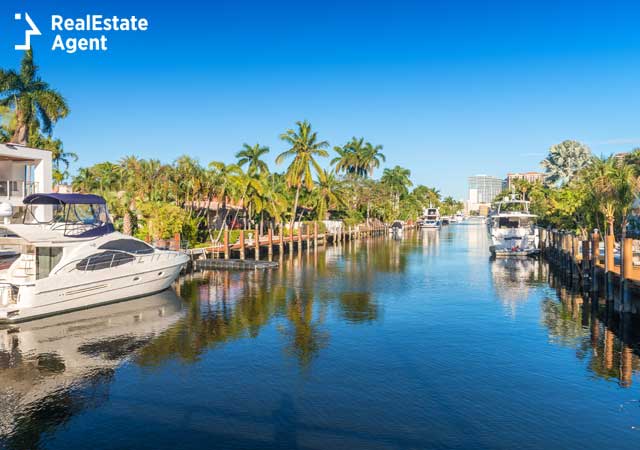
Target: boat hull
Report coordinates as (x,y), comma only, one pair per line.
(436,224)
(513,242)
(77,291)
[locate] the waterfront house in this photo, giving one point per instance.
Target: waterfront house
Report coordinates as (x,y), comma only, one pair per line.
(24,171)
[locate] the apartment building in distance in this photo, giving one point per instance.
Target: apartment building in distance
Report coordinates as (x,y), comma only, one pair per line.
(482,190)
(532,177)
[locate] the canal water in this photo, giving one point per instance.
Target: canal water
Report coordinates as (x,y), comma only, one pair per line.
(379,344)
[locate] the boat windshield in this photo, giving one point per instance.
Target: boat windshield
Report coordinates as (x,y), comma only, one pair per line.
(84,214)
(513,222)
(73,219)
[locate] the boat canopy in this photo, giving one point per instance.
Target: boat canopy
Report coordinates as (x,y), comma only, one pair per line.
(65,199)
(73,215)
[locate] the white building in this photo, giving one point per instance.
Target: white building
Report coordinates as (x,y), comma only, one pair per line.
(23,171)
(482,190)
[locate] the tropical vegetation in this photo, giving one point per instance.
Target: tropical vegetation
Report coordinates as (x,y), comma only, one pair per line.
(29,109)
(583,192)
(200,201)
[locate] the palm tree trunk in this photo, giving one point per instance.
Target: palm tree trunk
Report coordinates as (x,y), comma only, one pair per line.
(295,206)
(21,134)
(261,222)
(126,224)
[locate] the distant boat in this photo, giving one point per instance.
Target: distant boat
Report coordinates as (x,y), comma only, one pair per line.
(431,218)
(397,229)
(512,229)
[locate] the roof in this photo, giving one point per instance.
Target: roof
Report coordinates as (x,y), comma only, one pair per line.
(36,234)
(17,152)
(57,198)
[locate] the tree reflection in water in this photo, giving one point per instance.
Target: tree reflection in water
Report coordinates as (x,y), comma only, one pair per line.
(227,305)
(607,341)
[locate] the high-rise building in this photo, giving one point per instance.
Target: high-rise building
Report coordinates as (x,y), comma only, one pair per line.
(483,189)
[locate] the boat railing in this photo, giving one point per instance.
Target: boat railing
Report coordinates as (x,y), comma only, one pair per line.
(114,259)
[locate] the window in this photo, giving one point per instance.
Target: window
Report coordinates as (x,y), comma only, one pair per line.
(508,222)
(127,245)
(46,259)
(104,260)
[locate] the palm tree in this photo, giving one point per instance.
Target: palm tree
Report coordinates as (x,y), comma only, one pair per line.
(225,179)
(358,157)
(345,161)
(252,156)
(565,160)
(615,186)
(426,195)
(398,182)
(522,187)
(328,193)
(84,181)
(251,193)
(61,159)
(305,148)
(36,104)
(371,156)
(276,202)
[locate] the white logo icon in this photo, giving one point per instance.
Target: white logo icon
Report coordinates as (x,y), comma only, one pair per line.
(33,31)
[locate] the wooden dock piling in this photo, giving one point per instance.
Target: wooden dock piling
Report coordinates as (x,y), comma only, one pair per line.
(256,239)
(315,235)
(226,243)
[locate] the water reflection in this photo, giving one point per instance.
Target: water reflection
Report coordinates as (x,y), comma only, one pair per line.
(430,240)
(608,342)
(53,368)
(223,305)
(301,356)
(513,278)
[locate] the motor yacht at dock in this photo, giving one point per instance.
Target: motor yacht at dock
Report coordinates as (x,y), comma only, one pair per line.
(431,218)
(512,229)
(71,257)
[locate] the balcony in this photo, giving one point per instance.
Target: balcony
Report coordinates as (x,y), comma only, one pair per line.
(16,189)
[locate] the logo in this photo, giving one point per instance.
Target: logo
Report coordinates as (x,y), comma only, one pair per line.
(32,31)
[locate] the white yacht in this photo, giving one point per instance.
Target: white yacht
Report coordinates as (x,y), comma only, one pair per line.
(72,258)
(431,218)
(512,229)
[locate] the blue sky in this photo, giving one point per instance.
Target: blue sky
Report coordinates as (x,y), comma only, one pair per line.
(450,88)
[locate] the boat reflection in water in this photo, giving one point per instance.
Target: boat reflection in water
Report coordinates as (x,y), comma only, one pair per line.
(430,240)
(513,278)
(44,363)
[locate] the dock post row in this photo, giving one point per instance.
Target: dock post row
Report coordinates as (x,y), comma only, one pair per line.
(598,268)
(306,236)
